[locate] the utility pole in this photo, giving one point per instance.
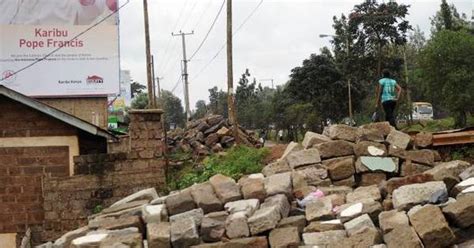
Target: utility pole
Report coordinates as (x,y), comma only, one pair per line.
(153,100)
(158,86)
(185,73)
(230,76)
(148,57)
(410,107)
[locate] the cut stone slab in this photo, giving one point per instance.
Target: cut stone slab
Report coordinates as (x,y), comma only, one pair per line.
(129,208)
(311,139)
(373,135)
(146,194)
(357,224)
(111,223)
(205,198)
(409,168)
(264,219)
(421,156)
(313,175)
(340,168)
(184,233)
(398,139)
(462,186)
(350,211)
(253,188)
(432,227)
(323,238)
(158,235)
(343,132)
(292,147)
(154,213)
(180,202)
(467,173)
(369,148)
(349,182)
(280,201)
(423,139)
(278,184)
(319,209)
(247,206)
(402,236)
(236,225)
(195,214)
(276,167)
(284,237)
(413,194)
(298,221)
(89,240)
(363,194)
(448,171)
(461,212)
(65,240)
(226,188)
(367,237)
(213,226)
(396,182)
(254,242)
(304,157)
(389,220)
(323,226)
(336,148)
(372,178)
(383,127)
(374,164)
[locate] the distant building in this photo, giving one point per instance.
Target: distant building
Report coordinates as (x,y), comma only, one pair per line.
(125,86)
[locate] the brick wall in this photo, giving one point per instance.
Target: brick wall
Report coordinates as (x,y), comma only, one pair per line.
(90,109)
(21,171)
(18,120)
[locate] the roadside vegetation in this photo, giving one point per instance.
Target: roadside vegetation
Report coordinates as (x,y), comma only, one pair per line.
(435,125)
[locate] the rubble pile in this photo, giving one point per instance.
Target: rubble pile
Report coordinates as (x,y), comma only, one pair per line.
(212,133)
(370,186)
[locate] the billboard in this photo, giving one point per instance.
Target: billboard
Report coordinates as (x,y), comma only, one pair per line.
(86,65)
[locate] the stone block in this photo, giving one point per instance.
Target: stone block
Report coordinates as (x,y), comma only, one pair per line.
(467,173)
(367,237)
(253,188)
(383,127)
(304,157)
(323,226)
(377,164)
(372,178)
(461,212)
(180,202)
(278,184)
(311,139)
(340,168)
(389,220)
(398,139)
(292,147)
(413,194)
(254,242)
(323,239)
(205,198)
(336,148)
(146,194)
(373,135)
(226,188)
(396,182)
(247,206)
(432,227)
(424,156)
(298,221)
(343,132)
(280,201)
(402,236)
(448,172)
(159,235)
(357,224)
(65,240)
(284,237)
(213,226)
(409,168)
(423,139)
(313,175)
(349,182)
(362,194)
(236,225)
(184,233)
(350,211)
(110,223)
(370,148)
(264,219)
(276,167)
(154,213)
(195,214)
(319,209)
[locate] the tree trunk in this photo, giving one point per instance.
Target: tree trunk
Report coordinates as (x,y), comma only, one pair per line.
(379,61)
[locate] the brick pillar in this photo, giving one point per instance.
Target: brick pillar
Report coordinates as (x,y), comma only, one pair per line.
(146,133)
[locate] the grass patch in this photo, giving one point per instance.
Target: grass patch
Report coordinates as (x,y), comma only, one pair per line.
(435,125)
(235,163)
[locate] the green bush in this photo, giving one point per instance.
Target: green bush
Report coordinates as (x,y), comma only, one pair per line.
(235,163)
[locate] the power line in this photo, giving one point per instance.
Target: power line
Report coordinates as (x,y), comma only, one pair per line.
(224,45)
(202,14)
(189,15)
(59,48)
(209,31)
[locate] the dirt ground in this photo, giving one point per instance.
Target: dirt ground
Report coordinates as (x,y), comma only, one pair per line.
(276,151)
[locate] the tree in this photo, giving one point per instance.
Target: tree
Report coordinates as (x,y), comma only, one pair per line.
(137,88)
(448,18)
(140,101)
(201,109)
(448,69)
(171,105)
(378,25)
(218,102)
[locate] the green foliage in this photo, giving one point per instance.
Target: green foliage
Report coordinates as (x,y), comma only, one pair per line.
(136,88)
(201,109)
(218,102)
(171,105)
(97,209)
(140,101)
(448,18)
(448,69)
(235,163)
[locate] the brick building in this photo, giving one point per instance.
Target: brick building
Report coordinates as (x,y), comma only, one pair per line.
(36,140)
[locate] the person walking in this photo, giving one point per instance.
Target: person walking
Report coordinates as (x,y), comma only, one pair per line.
(388,93)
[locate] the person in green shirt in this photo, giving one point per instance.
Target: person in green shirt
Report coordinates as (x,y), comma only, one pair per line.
(388,93)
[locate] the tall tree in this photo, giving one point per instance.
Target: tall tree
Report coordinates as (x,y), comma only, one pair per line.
(218,101)
(448,17)
(448,68)
(201,109)
(136,88)
(171,105)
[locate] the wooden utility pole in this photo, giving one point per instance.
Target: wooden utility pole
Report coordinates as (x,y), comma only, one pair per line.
(349,95)
(148,57)
(230,76)
(158,86)
(185,73)
(153,99)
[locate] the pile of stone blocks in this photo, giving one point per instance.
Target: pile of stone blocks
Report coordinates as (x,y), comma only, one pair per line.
(370,200)
(207,135)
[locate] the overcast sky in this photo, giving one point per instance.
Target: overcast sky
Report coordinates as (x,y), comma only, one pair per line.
(277,38)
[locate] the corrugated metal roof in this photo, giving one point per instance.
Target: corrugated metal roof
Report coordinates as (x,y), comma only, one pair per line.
(56,113)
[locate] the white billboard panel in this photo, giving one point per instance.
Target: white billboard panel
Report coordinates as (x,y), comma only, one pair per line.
(86,65)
